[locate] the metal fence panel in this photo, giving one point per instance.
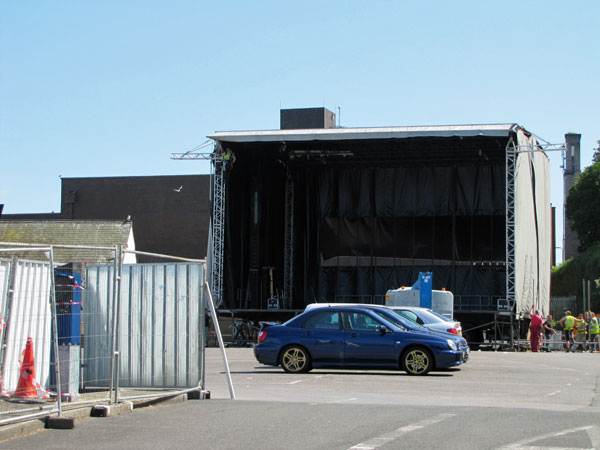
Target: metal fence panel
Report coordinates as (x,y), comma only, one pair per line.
(97,325)
(158,323)
(4,275)
(558,306)
(26,311)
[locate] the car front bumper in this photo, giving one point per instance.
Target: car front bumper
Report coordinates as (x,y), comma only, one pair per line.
(449,358)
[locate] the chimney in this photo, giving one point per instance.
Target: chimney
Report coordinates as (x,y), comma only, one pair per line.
(302,118)
(571,170)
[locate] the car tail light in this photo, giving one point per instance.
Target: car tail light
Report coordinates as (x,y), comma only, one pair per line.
(262,335)
(449,330)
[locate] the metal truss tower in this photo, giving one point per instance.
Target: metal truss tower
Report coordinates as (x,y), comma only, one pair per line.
(218,225)
(218,216)
(288,255)
(511,161)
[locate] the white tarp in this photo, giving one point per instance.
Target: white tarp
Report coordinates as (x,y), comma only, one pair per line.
(533,244)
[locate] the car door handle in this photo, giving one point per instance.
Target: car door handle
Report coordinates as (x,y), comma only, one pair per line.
(353,334)
(308,333)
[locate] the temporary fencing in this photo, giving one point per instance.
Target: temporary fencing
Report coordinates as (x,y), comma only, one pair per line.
(27,333)
(558,306)
(159,324)
(120,331)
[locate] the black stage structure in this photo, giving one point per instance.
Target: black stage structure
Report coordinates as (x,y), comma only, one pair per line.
(344,214)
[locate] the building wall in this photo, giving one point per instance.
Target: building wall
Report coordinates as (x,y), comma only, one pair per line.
(170,214)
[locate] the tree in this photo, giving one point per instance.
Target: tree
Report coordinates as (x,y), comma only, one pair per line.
(596,155)
(583,206)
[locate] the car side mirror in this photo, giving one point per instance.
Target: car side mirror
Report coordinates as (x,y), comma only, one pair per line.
(382,329)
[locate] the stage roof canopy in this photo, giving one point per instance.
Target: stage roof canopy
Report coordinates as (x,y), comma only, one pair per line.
(337,134)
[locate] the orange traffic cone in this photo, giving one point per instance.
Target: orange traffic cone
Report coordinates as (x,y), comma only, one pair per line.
(26,388)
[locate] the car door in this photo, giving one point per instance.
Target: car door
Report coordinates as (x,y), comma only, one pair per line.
(365,344)
(322,335)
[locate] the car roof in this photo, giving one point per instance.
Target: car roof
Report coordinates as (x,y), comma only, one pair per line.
(343,305)
(427,312)
(410,308)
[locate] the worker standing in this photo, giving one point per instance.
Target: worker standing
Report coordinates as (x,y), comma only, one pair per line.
(568,323)
(228,158)
(535,330)
(594,333)
(549,331)
(580,336)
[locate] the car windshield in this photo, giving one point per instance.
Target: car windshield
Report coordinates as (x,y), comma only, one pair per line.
(441,316)
(420,316)
(429,316)
(398,320)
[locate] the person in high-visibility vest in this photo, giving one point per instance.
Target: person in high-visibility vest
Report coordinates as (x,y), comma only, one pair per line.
(568,323)
(228,158)
(594,333)
(580,336)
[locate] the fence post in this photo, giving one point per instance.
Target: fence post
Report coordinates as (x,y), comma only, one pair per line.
(119,255)
(55,332)
(113,326)
(583,281)
(203,324)
(213,313)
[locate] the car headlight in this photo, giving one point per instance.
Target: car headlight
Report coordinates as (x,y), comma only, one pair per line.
(451,344)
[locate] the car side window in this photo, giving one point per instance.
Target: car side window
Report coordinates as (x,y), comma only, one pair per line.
(358,321)
(324,320)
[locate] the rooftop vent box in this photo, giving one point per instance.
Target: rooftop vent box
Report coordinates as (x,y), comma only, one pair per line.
(301,118)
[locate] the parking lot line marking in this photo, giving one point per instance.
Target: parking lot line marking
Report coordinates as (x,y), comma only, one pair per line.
(533,447)
(552,393)
(526,443)
(296,382)
(344,400)
(393,435)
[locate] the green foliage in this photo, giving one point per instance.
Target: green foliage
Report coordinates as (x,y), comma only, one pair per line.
(583,207)
(566,278)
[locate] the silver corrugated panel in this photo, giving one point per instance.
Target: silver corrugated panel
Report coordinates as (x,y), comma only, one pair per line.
(159,325)
(96,317)
(28,314)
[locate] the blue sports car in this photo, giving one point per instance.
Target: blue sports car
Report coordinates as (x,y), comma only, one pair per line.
(354,337)
(405,321)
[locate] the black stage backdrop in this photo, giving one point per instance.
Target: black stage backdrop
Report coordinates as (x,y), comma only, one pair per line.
(365,227)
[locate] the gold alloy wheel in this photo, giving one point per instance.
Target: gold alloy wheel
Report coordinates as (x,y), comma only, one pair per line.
(417,362)
(294,359)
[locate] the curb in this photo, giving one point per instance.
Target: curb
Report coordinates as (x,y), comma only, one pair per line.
(22,429)
(143,403)
(68,418)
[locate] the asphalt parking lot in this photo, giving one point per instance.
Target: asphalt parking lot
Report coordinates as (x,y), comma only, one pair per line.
(505,401)
(551,381)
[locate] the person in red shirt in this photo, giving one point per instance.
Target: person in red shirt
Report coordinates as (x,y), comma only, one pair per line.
(535,330)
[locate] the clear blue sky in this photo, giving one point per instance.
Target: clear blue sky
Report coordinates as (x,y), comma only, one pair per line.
(112,88)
